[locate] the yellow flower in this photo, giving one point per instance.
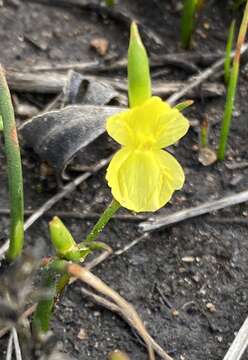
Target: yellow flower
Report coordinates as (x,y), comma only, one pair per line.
(141,175)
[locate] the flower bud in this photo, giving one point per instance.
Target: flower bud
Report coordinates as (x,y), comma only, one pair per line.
(139,80)
(61,237)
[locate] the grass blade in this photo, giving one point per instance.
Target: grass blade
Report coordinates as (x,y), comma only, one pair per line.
(229,45)
(14,167)
(232,86)
(188,21)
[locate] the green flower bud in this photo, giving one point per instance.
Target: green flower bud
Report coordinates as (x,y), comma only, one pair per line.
(61,238)
(139,80)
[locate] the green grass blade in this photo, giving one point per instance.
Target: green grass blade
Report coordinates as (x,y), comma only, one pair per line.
(14,168)
(232,86)
(229,45)
(188,21)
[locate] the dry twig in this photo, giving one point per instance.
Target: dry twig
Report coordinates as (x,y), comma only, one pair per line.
(197,80)
(80,215)
(54,82)
(18,353)
(239,344)
(116,309)
(10,347)
(126,309)
(158,222)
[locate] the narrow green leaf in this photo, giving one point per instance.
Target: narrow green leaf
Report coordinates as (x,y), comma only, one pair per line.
(188,21)
(229,45)
(139,80)
(184,105)
(14,169)
(232,86)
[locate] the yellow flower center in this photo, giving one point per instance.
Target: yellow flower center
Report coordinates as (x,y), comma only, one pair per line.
(146,144)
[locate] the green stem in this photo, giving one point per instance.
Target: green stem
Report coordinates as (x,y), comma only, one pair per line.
(232,86)
(102,222)
(14,170)
(43,312)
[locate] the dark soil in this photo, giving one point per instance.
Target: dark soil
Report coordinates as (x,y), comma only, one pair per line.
(153,276)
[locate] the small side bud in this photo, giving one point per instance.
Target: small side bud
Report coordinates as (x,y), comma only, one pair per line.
(61,237)
(139,79)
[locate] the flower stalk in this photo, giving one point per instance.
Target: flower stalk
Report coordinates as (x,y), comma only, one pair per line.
(14,169)
(102,222)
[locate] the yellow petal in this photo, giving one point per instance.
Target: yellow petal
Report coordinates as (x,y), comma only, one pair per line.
(118,128)
(152,125)
(171,127)
(172,172)
(144,180)
(133,176)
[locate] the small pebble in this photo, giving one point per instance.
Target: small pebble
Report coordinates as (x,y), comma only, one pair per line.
(188,259)
(101,45)
(82,335)
(174,312)
(211,307)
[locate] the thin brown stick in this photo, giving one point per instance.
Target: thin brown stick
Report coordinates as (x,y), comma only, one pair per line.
(127,309)
(184,60)
(99,259)
(116,309)
(54,82)
(81,215)
(132,244)
(197,80)
(18,353)
(158,222)
(10,347)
